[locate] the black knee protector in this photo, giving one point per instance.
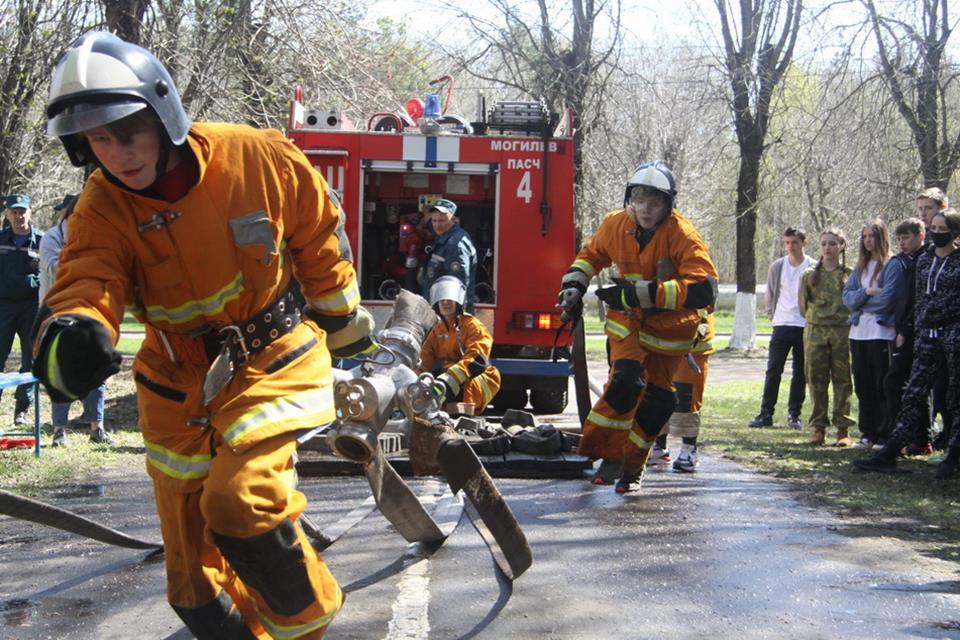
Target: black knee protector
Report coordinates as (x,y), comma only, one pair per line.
(273,564)
(626,383)
(216,620)
(684,396)
(655,409)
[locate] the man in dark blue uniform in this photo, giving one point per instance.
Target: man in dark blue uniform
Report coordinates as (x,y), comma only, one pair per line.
(453,253)
(19,284)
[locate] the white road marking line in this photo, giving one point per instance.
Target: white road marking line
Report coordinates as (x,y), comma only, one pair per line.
(410,619)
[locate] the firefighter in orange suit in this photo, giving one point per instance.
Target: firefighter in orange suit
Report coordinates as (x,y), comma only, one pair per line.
(460,345)
(664,275)
(199,228)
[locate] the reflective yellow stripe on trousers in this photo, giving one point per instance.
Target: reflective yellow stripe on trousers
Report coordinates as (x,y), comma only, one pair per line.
(609,423)
(297,630)
(177,465)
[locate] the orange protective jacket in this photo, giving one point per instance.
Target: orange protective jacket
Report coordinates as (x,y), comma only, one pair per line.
(455,349)
(676,256)
(226,250)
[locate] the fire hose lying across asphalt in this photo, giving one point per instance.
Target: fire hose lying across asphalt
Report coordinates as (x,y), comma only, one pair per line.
(382,392)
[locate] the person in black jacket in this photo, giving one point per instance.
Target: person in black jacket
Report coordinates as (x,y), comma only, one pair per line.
(910,235)
(937,328)
(19,283)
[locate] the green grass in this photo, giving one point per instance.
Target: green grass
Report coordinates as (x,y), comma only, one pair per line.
(129,346)
(912,504)
(130,323)
(24,474)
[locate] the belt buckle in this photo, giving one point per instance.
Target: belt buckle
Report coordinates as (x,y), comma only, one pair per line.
(235,332)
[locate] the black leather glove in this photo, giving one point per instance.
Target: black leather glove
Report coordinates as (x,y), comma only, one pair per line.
(76,355)
(628,294)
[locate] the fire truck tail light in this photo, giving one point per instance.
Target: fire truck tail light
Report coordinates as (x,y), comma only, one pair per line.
(536,320)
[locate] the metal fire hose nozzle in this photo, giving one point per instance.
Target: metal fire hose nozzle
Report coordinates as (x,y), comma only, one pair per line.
(418,398)
(363,407)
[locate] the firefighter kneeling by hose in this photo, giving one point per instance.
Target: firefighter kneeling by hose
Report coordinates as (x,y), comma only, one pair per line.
(666,275)
(458,348)
(198,227)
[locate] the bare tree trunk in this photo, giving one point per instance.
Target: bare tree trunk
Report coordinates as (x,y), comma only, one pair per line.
(125,18)
(755,64)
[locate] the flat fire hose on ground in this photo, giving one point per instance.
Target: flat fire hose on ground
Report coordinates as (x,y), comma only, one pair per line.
(398,503)
(488,511)
(435,447)
(51,516)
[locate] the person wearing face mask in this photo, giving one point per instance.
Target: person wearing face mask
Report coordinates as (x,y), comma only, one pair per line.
(19,287)
(929,202)
(663,277)
(937,331)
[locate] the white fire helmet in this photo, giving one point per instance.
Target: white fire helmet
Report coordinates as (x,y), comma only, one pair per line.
(654,175)
(100,79)
(448,288)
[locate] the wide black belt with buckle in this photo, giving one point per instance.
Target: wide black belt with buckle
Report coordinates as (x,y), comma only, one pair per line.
(229,348)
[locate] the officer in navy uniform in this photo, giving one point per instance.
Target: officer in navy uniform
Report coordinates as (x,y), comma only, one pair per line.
(453,252)
(19,286)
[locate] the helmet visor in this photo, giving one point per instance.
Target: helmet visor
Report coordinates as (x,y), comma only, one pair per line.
(83,116)
(447,288)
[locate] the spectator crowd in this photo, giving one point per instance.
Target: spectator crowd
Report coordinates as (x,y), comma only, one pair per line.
(28,265)
(885,327)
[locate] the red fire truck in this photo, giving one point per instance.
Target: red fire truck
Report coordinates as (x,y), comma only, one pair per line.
(511,175)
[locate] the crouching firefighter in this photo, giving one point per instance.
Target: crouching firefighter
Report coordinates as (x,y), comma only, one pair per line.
(458,348)
(198,228)
(664,275)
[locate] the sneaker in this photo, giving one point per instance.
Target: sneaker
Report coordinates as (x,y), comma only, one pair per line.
(762,420)
(876,462)
(817,438)
(607,473)
(794,422)
(100,436)
(843,441)
(877,446)
(20,418)
(864,443)
(59,437)
(687,460)
(628,484)
(659,457)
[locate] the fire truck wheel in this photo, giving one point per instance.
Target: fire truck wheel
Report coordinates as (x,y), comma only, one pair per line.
(548,401)
(510,399)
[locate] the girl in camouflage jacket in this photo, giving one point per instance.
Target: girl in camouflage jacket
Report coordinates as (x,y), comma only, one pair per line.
(826,343)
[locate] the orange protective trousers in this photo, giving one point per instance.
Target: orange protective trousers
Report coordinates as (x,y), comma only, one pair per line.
(607,433)
(245,494)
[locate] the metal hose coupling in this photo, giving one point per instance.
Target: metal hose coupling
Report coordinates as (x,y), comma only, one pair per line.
(363,407)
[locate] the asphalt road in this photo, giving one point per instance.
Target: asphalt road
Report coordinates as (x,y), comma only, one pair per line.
(724,553)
